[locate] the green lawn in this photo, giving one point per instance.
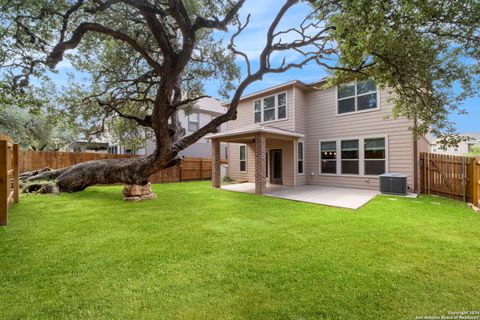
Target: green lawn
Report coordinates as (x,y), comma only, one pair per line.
(200,253)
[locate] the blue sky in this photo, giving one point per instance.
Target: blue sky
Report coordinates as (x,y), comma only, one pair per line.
(252,41)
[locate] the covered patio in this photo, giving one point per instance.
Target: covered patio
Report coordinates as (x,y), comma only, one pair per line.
(331,196)
(280,166)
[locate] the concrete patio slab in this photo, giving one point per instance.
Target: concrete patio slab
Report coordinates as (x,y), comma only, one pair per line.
(331,196)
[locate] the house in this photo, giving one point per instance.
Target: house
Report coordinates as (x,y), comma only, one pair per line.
(206,109)
(103,143)
(91,146)
(295,134)
(473,139)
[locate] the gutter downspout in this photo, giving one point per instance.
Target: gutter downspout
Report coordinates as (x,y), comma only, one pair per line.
(415,156)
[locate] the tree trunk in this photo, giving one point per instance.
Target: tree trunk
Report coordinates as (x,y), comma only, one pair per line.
(111,171)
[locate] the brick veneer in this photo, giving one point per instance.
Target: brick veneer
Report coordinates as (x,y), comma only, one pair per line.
(216,177)
(260,173)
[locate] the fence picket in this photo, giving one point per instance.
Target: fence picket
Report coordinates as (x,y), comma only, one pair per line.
(190,169)
(456,177)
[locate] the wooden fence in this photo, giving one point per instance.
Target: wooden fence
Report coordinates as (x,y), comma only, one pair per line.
(456,177)
(9,191)
(190,169)
(30,160)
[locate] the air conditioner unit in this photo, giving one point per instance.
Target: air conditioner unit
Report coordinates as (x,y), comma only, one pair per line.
(393,183)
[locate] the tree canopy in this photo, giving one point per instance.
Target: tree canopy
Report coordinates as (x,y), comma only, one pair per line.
(147,59)
(426,52)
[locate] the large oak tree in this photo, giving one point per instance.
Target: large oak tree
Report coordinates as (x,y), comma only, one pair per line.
(148,59)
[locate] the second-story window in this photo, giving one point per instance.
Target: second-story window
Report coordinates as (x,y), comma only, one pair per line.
(193,121)
(357,96)
(270,108)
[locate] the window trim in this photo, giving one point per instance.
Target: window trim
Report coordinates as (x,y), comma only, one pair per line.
(197,121)
(320,158)
(376,159)
(361,150)
(240,159)
(275,108)
(355,96)
(359,159)
(303,158)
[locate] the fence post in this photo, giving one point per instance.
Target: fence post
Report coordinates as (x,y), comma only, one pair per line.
(475,182)
(16,178)
(4,181)
(201,169)
(427,167)
(464,179)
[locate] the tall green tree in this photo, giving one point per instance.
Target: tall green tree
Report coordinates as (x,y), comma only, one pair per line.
(148,59)
(426,52)
(36,131)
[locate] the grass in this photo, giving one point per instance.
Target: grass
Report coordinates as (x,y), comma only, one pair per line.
(199,253)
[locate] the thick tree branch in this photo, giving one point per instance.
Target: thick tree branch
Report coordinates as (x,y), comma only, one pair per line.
(264,68)
(56,55)
(216,23)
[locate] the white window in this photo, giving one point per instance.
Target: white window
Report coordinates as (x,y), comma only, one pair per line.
(243,158)
(357,96)
(270,108)
(328,156)
(193,121)
(350,157)
(300,155)
(374,156)
(360,156)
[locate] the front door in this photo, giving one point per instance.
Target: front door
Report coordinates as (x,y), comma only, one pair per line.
(276,169)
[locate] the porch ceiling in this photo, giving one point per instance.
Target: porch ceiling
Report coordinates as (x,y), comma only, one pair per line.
(247,135)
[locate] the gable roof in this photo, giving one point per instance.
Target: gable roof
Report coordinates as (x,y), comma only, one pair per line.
(285,85)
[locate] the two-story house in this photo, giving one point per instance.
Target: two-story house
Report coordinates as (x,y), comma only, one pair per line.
(206,109)
(294,134)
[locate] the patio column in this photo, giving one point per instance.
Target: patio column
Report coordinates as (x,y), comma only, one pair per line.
(216,177)
(260,171)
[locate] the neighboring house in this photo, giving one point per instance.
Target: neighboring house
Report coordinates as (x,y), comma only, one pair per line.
(463,147)
(103,144)
(206,109)
(295,134)
(114,148)
(94,146)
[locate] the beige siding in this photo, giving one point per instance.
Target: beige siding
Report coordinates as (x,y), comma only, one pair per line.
(300,127)
(423,145)
(323,123)
(299,110)
(234,163)
(245,114)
